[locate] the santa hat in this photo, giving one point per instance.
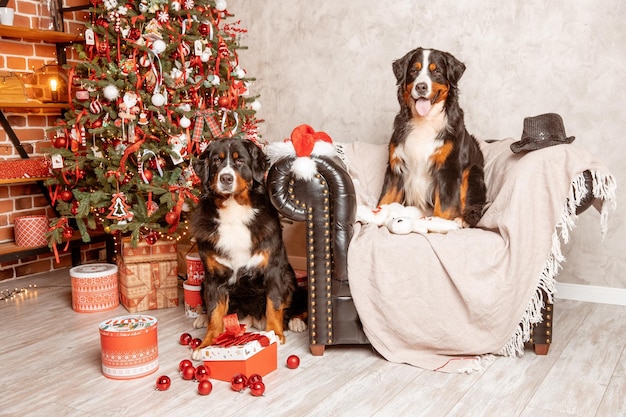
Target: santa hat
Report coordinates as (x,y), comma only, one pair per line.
(304,143)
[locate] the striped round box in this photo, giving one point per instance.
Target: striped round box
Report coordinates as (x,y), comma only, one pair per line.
(130,346)
(31,230)
(94,287)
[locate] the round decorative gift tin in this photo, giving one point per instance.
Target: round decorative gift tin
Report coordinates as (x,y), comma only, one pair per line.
(130,346)
(195,269)
(94,287)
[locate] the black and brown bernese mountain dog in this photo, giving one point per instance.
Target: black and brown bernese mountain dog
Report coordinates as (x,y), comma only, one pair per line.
(239,238)
(434,163)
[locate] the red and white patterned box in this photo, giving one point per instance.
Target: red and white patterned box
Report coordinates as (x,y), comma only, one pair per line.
(94,287)
(148,276)
(31,230)
(130,347)
(248,358)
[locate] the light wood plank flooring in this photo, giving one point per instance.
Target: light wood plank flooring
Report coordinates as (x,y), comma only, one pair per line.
(50,366)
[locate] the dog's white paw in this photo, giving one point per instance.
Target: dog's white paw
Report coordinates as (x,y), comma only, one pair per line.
(296,325)
(201,321)
(196,355)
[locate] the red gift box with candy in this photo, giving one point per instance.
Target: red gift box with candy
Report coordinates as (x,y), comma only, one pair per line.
(239,352)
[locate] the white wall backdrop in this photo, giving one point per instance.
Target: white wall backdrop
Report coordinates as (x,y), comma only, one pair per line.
(327,63)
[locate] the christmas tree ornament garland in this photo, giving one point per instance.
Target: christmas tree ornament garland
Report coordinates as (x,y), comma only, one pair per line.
(157,81)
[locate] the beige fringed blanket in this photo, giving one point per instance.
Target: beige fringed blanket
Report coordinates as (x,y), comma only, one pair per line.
(440,301)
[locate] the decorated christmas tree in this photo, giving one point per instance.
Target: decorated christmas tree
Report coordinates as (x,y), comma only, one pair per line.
(157,80)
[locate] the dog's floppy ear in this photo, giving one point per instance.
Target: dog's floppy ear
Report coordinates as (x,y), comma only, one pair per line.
(260,163)
(400,65)
(455,68)
(199,165)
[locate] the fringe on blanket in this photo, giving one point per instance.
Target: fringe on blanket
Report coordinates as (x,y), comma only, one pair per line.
(604,187)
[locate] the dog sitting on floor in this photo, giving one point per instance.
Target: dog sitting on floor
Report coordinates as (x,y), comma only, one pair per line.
(434,163)
(239,238)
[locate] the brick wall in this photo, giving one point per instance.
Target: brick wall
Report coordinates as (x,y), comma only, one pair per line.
(19,56)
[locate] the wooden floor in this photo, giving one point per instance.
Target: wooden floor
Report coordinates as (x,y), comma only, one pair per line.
(50,366)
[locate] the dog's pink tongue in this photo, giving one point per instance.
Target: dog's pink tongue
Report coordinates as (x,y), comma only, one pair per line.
(422,105)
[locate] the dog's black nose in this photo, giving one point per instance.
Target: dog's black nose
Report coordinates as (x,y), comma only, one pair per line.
(226,179)
(421,88)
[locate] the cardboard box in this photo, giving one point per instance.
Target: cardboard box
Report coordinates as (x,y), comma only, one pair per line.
(250,358)
(148,276)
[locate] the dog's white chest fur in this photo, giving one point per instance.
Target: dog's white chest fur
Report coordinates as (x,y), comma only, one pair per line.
(416,151)
(235,238)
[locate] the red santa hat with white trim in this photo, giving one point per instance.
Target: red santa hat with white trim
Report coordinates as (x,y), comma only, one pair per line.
(304,143)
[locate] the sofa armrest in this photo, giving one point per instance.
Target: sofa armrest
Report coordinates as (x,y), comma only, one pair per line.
(327,204)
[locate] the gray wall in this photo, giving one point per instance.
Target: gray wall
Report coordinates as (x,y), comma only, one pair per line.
(328,64)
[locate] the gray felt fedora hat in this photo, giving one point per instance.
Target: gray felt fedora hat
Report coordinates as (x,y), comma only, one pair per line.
(540,132)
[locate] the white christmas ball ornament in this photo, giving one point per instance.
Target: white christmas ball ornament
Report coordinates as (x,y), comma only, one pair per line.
(255,105)
(158,99)
(214,79)
(185,122)
(158,46)
(221,5)
(240,72)
(111,92)
(144,61)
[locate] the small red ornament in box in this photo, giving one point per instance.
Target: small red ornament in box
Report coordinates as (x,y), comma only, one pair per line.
(239,352)
(148,275)
(31,230)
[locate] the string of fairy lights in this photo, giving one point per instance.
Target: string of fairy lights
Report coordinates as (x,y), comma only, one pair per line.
(17,294)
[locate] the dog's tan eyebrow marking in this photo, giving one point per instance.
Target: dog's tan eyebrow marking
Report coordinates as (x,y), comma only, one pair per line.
(418,65)
(222,155)
(235,155)
(432,66)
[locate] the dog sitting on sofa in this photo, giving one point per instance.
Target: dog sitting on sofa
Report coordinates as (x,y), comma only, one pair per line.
(434,163)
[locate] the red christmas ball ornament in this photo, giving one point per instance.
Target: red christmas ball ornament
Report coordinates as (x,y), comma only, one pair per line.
(185,339)
(293,362)
(68,232)
(204,29)
(185,363)
(134,34)
(254,378)
(188,373)
(60,142)
(203,373)
(156,163)
(195,342)
(103,47)
(163,383)
(238,382)
(223,101)
(257,389)
(151,239)
(205,387)
(66,195)
(171,217)
(74,209)
(148,175)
